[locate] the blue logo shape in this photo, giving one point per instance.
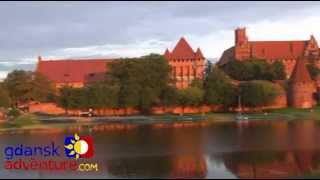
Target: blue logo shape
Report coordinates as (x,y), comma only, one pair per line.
(67,141)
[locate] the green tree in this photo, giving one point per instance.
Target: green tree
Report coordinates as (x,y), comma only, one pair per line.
(26,85)
(238,70)
(191,96)
(18,84)
(257,93)
(219,90)
(65,98)
(278,71)
(255,69)
(101,95)
(197,83)
(41,88)
(141,81)
(5,100)
(169,96)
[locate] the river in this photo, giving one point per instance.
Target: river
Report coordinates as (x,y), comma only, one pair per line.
(257,149)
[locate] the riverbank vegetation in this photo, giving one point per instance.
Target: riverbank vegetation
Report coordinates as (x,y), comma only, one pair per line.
(145,82)
(255,69)
(24,86)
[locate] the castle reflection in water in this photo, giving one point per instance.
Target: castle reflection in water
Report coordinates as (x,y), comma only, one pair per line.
(259,149)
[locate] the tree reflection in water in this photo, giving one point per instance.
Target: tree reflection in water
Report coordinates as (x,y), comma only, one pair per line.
(258,149)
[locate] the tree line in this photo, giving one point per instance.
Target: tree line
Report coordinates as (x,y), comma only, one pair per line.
(146,82)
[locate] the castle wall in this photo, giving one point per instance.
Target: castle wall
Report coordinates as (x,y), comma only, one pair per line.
(301,95)
(242,52)
(185,71)
(2,116)
(289,65)
(73,84)
(54,109)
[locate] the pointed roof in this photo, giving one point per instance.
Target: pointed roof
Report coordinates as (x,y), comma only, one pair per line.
(182,50)
(312,41)
(300,72)
(167,53)
(199,53)
(312,37)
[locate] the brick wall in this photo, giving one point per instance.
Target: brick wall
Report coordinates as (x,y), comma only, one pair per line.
(2,116)
(53,109)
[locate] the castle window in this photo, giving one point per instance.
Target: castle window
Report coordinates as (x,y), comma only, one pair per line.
(92,74)
(66,75)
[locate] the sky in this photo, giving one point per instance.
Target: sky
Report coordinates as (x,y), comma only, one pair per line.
(128,29)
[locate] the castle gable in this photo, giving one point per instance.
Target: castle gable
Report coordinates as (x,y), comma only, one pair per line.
(186,64)
(182,50)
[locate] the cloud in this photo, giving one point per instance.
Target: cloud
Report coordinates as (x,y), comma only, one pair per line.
(3,75)
(111,50)
(128,29)
(298,27)
(213,39)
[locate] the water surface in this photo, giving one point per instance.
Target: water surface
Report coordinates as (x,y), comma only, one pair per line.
(258,149)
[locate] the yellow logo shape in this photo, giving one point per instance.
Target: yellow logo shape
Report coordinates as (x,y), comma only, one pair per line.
(77,146)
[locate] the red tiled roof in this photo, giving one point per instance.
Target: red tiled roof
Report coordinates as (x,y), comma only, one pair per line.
(269,50)
(182,50)
(277,49)
(199,53)
(167,54)
(300,72)
(71,71)
(227,56)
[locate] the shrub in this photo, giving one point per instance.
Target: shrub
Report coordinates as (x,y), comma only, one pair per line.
(258,93)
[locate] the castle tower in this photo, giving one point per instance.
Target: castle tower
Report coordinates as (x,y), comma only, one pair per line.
(186,64)
(38,63)
(240,36)
(301,87)
(312,50)
(242,47)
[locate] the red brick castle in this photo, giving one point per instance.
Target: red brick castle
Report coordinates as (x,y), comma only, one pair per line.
(301,88)
(287,52)
(293,54)
(185,63)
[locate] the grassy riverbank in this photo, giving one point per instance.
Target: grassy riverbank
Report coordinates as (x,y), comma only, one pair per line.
(31,121)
